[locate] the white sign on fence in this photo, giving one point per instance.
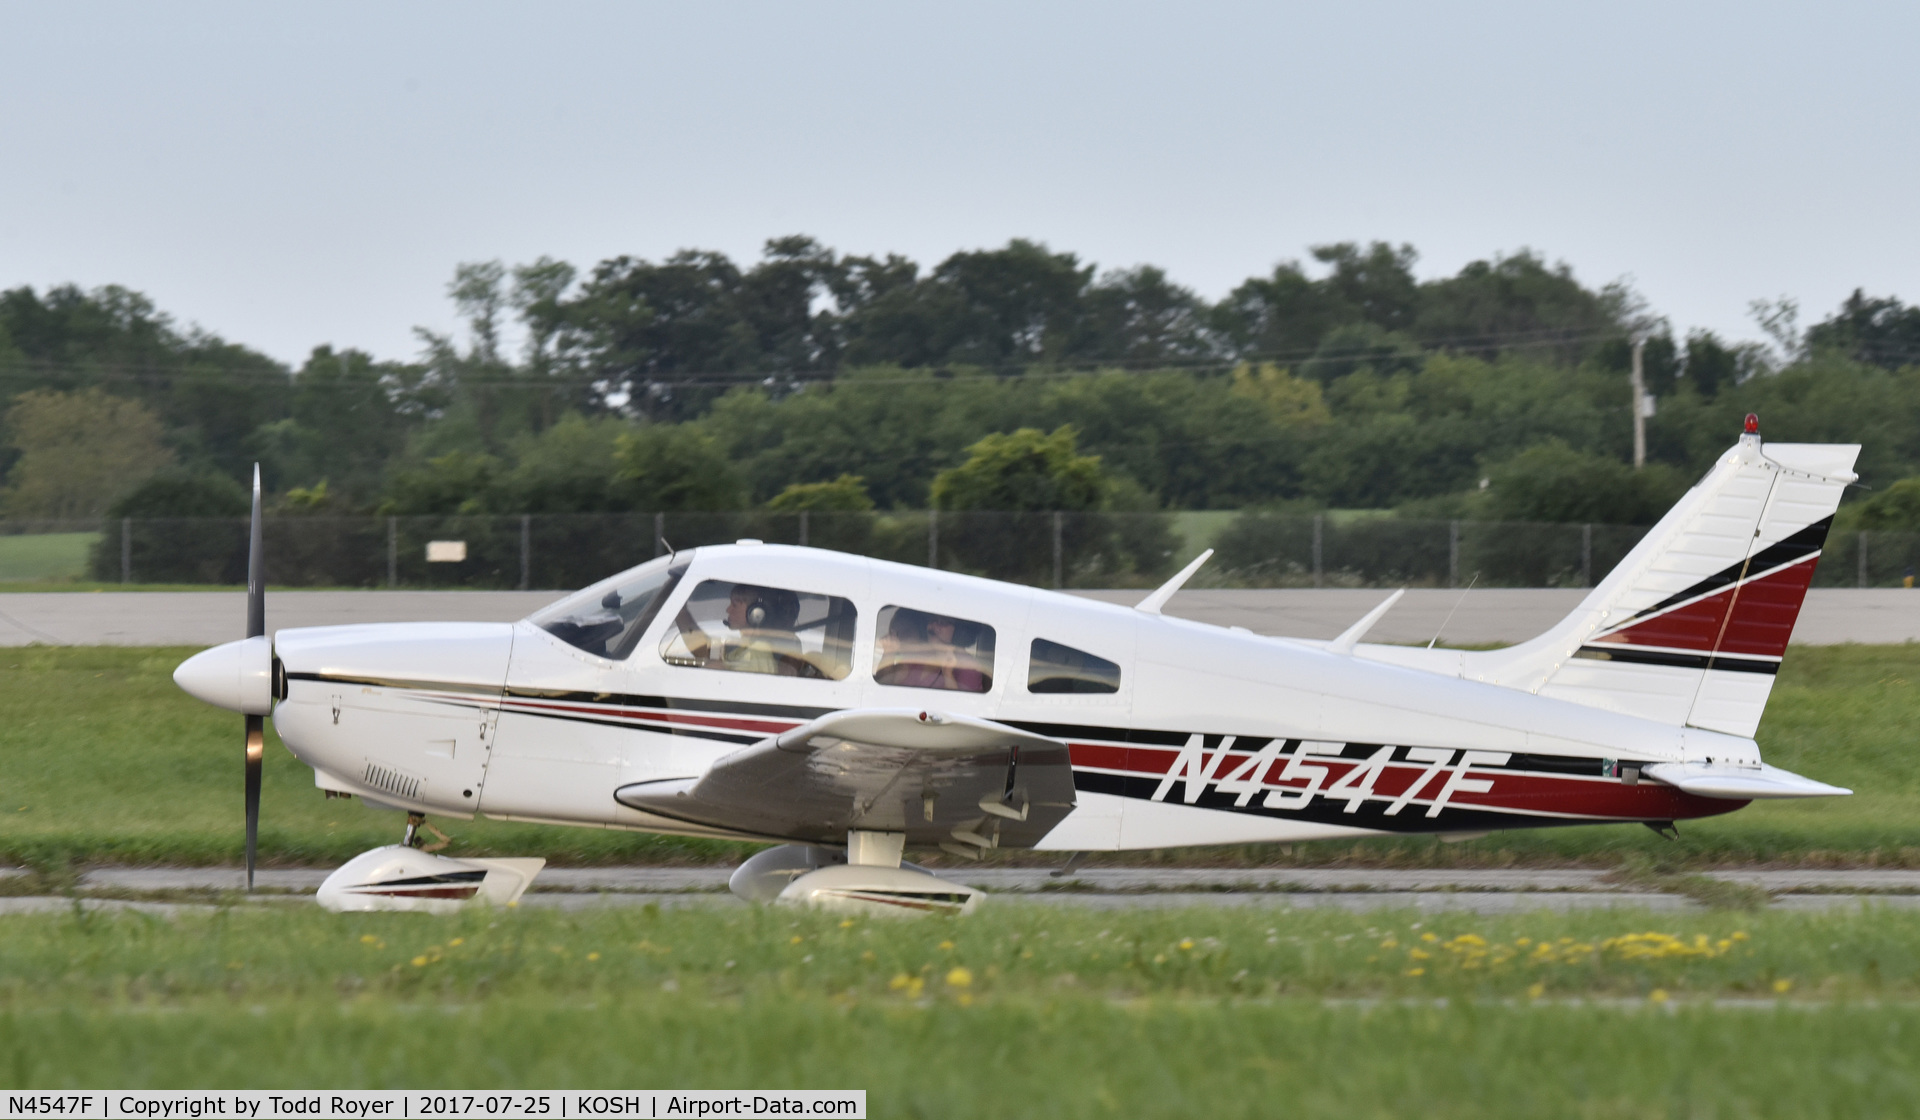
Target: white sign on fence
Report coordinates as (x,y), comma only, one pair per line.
(446,552)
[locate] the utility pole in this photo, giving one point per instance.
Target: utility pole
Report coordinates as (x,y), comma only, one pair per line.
(1639,406)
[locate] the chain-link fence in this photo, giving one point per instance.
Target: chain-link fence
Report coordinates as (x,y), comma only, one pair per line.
(559,551)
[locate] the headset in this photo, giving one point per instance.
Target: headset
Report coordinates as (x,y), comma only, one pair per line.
(773,609)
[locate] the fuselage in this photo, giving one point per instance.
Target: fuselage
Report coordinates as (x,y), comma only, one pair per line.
(1180,733)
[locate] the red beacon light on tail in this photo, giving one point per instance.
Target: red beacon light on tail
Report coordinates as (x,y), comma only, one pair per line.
(1753,424)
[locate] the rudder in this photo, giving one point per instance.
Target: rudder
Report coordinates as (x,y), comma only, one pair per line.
(1690,628)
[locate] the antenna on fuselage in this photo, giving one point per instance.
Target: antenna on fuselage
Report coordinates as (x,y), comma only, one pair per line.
(1152,603)
(1456,607)
(1351,636)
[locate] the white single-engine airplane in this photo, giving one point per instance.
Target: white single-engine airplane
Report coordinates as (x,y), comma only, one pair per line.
(848,709)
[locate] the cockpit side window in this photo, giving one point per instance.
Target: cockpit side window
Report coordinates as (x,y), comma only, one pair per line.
(918,649)
(1052,667)
(608,618)
(749,628)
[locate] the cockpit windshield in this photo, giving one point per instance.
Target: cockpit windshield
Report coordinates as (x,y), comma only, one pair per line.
(608,618)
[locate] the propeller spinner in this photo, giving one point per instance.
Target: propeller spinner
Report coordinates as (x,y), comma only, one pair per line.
(238,676)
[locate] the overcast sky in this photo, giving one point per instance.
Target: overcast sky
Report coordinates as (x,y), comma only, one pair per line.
(293,174)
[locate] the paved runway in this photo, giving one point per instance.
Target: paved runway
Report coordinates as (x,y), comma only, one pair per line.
(199,618)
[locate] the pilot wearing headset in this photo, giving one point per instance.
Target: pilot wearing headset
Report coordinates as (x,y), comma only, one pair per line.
(764,619)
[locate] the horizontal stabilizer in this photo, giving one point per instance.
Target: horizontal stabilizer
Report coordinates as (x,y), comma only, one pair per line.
(1739,783)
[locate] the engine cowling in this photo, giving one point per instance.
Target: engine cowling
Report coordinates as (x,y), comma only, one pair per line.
(879,891)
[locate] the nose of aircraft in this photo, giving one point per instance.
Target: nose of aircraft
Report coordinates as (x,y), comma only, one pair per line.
(237,676)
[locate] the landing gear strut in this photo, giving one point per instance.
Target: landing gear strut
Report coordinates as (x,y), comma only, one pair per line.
(416,822)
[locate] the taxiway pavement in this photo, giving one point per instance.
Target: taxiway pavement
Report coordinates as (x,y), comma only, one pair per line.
(1475,891)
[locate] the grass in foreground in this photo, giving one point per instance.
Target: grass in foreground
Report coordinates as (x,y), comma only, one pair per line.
(102,759)
(1018,1011)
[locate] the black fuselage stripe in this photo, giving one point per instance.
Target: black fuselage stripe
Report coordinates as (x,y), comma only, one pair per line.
(1799,546)
(1243,746)
(611,699)
(1678,660)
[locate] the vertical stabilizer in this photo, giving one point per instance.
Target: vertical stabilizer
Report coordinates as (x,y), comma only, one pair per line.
(1691,627)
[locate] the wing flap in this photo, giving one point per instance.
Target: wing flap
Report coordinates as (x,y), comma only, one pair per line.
(938,778)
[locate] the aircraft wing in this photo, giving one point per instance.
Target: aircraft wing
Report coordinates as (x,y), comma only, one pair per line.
(951,780)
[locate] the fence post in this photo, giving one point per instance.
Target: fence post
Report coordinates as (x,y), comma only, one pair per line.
(1453,553)
(393,552)
(1863,558)
(1586,555)
(126,550)
(1058,566)
(803,528)
(659,531)
(526,549)
(933,538)
(1318,520)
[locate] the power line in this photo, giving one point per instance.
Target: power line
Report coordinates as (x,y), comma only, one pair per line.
(31,368)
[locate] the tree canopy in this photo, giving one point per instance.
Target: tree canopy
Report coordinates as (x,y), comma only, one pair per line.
(809,379)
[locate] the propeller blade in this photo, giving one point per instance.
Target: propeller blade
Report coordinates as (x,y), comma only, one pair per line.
(256,569)
(256,750)
(256,626)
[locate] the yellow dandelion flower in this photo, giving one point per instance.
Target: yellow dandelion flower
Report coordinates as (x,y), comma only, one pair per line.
(1658,995)
(1390,943)
(1429,936)
(420,961)
(959,977)
(1186,944)
(847,924)
(1523,942)
(947,945)
(1416,972)
(1740,935)
(1536,990)
(965,1000)
(795,939)
(1782,985)
(899,981)
(458,941)
(1418,954)
(915,987)
(593,956)
(369,939)
(1159,958)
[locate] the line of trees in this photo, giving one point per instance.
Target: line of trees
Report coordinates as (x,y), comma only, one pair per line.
(808,379)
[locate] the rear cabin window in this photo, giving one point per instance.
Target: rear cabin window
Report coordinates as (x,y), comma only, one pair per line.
(608,618)
(750,628)
(920,649)
(1053,667)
